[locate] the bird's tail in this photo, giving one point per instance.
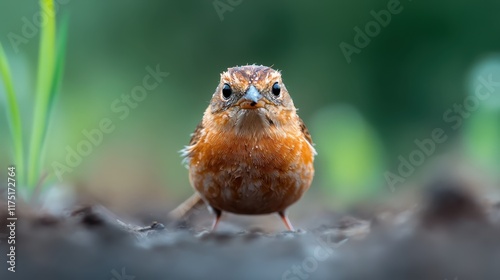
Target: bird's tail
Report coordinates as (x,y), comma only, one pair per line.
(187,207)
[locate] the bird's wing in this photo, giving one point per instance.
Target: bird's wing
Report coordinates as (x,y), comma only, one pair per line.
(195,200)
(305,131)
(195,137)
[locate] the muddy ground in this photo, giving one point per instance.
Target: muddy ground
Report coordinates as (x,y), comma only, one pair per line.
(449,234)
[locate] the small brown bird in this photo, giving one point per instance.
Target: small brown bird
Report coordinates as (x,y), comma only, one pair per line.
(251,154)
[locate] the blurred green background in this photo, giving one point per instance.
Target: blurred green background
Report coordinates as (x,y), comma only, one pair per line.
(362,114)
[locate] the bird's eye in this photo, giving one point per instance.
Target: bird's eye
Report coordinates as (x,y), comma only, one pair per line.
(226,91)
(276,89)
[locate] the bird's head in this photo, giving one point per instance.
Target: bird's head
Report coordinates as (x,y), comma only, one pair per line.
(251,99)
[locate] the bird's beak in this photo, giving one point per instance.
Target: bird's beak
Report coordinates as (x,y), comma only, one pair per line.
(252,99)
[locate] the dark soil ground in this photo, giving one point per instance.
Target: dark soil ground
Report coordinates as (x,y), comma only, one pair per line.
(450,235)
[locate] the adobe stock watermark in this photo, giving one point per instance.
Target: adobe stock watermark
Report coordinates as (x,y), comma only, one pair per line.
(121,276)
(454,118)
(223,6)
(31,26)
(121,107)
(363,37)
(324,250)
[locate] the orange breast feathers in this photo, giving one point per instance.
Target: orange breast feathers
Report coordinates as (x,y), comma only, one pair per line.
(251,170)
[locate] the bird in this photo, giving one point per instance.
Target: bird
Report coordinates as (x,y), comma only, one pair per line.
(251,154)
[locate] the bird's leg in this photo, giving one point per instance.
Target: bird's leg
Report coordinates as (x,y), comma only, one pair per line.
(218,214)
(285,220)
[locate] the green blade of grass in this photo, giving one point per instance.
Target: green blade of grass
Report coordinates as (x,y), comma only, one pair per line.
(62,35)
(13,116)
(46,67)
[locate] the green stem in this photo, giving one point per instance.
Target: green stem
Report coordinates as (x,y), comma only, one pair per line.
(14,116)
(46,67)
